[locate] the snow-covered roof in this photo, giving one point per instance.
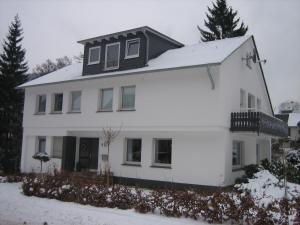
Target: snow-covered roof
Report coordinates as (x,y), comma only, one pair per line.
(294,119)
(214,52)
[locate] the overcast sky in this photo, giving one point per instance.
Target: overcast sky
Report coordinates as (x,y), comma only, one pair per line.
(52,29)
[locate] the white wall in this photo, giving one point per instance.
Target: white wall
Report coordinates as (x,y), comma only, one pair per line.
(181,98)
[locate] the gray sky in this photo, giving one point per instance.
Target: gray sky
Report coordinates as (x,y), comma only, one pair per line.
(52,29)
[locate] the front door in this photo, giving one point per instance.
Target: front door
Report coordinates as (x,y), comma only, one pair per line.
(88,153)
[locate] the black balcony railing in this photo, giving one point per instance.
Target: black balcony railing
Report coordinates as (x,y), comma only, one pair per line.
(258,122)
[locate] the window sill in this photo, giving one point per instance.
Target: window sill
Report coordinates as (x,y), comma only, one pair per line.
(131,164)
(131,57)
(111,68)
(40,113)
(74,112)
(161,166)
(58,112)
(93,63)
(125,110)
(100,111)
(237,169)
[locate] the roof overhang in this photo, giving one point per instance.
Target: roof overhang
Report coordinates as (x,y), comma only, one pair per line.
(126,33)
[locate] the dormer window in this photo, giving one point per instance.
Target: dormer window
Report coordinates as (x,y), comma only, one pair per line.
(94,55)
(132,48)
(112,56)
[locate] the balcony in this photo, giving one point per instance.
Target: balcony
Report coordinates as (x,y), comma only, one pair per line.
(258,122)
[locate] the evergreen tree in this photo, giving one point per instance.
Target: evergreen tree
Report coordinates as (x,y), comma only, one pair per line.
(12,73)
(222,23)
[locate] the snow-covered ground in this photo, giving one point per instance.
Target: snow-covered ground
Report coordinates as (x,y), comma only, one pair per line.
(15,208)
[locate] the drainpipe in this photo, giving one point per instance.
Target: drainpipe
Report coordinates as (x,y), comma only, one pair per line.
(210,77)
(147,46)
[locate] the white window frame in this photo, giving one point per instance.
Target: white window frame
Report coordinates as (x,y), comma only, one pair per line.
(126,151)
(100,100)
(126,50)
(154,153)
(239,166)
(53,102)
(105,61)
(37,150)
(121,102)
(71,102)
(38,104)
(89,58)
(52,150)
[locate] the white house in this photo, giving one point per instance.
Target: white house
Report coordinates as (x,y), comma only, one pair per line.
(188,114)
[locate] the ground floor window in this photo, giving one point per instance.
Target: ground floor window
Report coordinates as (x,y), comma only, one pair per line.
(41,144)
(237,154)
(163,151)
(57,147)
(133,150)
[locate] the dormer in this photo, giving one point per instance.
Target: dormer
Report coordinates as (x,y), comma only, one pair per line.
(125,50)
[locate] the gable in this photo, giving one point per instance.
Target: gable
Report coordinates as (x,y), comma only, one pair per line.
(236,75)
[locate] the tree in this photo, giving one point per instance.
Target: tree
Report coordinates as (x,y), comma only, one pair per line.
(13,70)
(222,23)
(50,66)
(107,137)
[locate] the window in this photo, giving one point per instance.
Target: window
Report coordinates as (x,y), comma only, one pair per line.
(237,154)
(133,150)
(112,56)
(162,151)
(41,145)
(75,101)
(94,55)
(41,104)
(132,48)
(251,102)
(258,104)
(128,97)
(243,104)
(57,147)
(106,101)
(57,102)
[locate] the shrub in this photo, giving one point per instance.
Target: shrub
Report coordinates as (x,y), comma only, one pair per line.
(250,170)
(219,207)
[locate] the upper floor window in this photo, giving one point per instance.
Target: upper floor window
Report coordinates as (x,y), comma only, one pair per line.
(41,144)
(75,101)
(57,102)
(237,154)
(106,99)
(243,99)
(132,48)
(162,151)
(94,55)
(251,102)
(112,56)
(57,147)
(258,104)
(133,150)
(41,104)
(128,97)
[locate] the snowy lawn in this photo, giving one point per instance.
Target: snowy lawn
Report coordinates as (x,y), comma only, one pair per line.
(15,208)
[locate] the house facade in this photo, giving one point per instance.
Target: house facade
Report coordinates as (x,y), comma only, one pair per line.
(190,115)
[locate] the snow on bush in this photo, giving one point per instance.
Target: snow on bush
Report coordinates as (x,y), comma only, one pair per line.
(258,202)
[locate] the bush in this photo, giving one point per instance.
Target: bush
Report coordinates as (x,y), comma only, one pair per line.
(220,207)
(250,170)
(277,169)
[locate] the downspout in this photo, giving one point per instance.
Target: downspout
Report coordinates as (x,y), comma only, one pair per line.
(147,46)
(210,77)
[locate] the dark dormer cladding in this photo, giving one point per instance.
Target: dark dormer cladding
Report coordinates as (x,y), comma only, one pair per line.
(124,50)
